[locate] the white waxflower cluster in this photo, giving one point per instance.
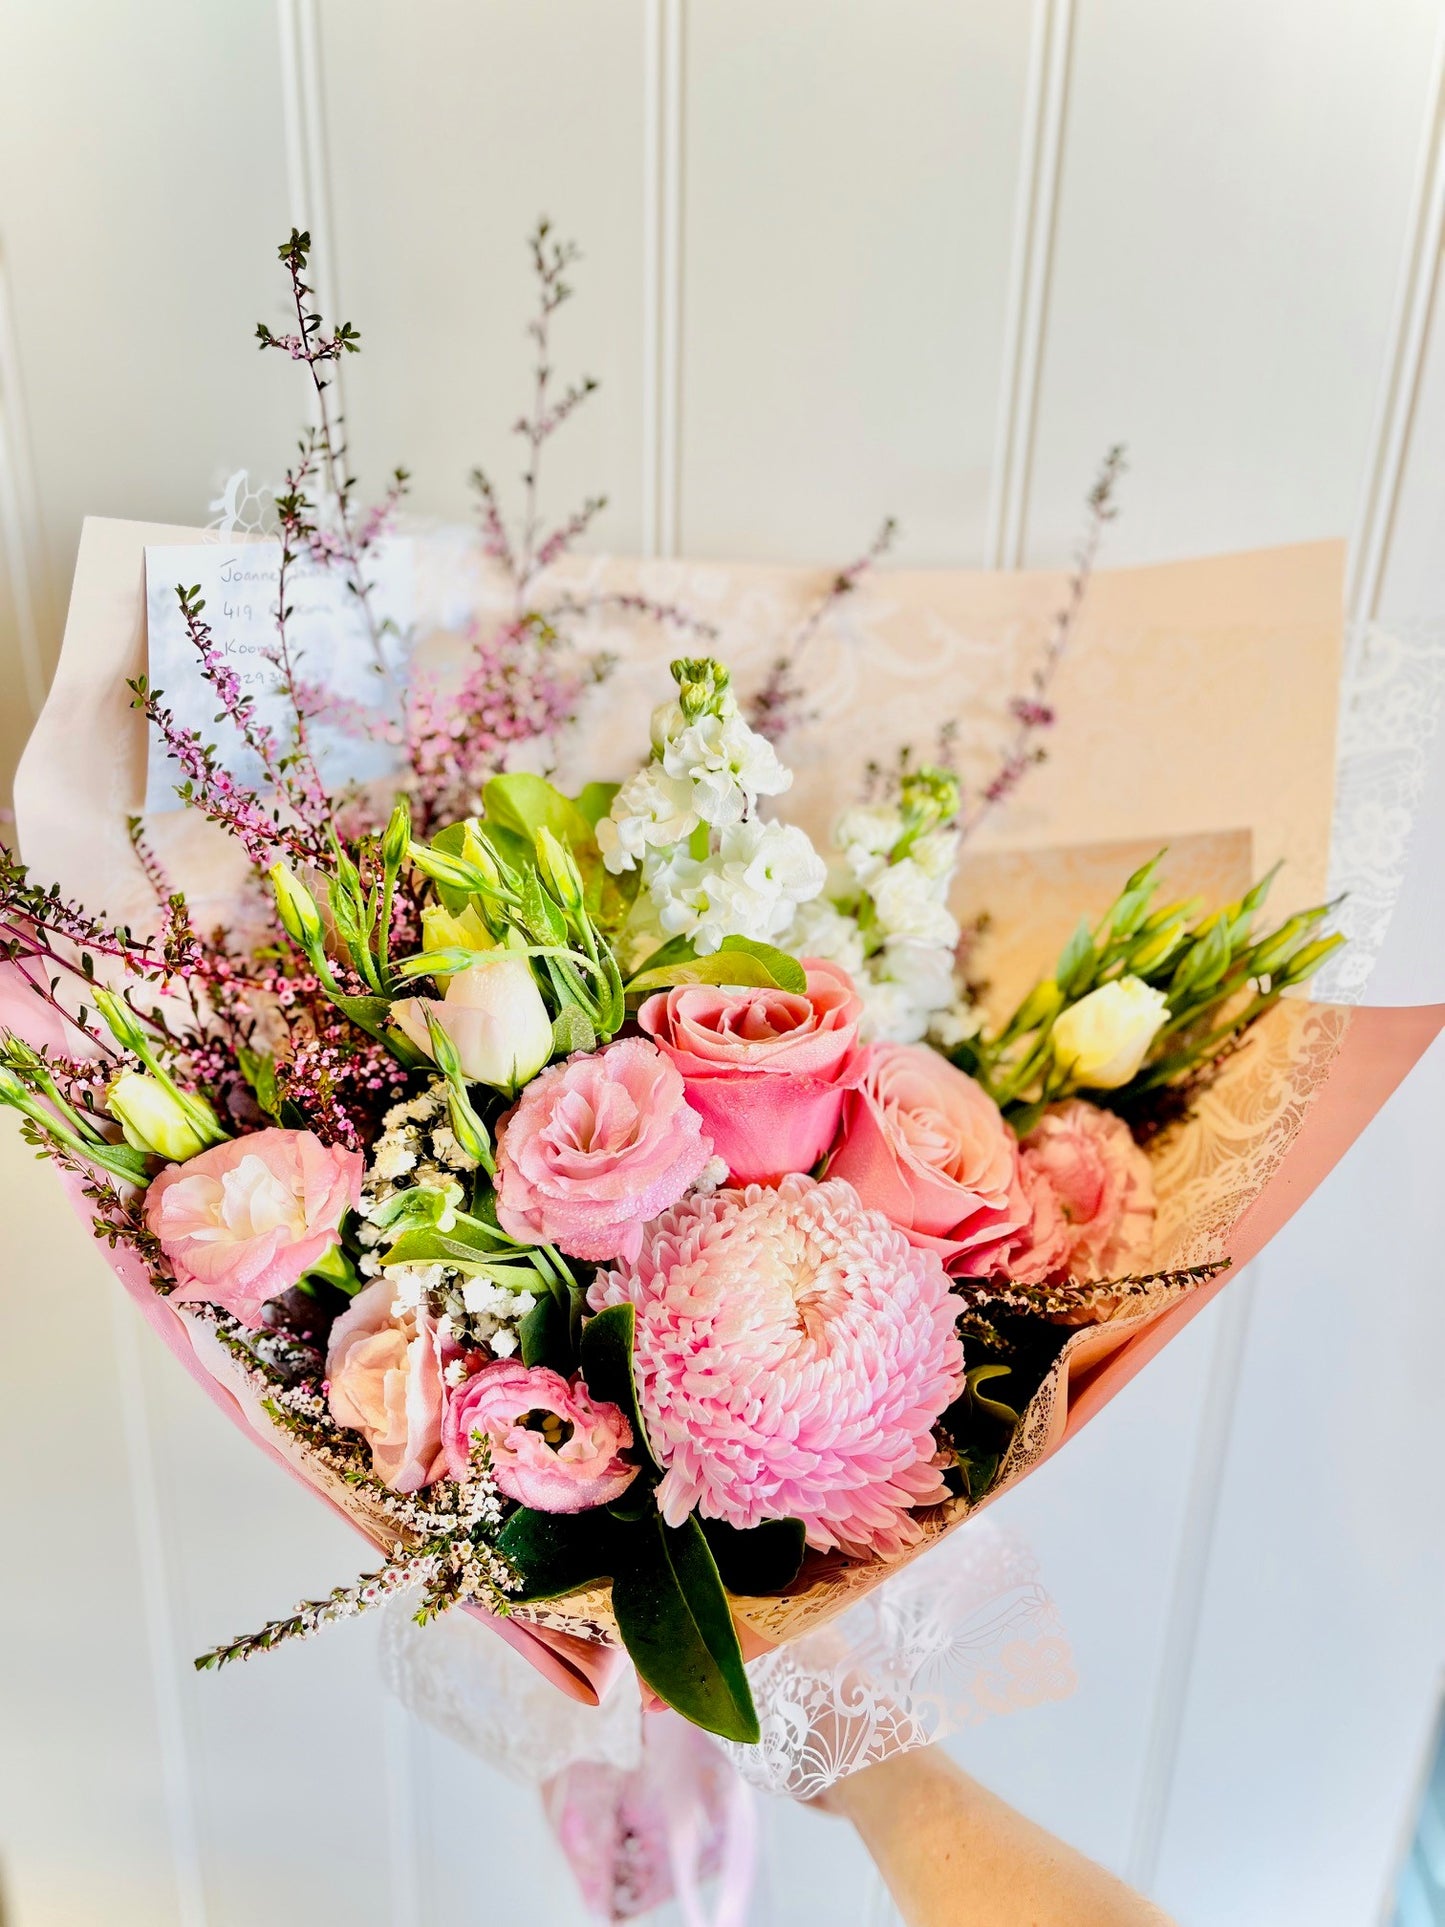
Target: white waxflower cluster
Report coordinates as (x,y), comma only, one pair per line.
(417,1147)
(710,867)
(887,922)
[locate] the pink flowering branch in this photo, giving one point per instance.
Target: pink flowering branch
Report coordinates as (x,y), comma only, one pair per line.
(778,706)
(1033,712)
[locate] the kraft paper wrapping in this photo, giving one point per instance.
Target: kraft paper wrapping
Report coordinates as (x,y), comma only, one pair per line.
(1196,708)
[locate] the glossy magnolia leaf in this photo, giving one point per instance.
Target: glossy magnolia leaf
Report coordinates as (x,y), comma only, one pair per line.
(607,1370)
(678,1628)
(561,1552)
(763,1559)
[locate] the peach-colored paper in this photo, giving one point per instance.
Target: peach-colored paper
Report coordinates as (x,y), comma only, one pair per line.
(1155,745)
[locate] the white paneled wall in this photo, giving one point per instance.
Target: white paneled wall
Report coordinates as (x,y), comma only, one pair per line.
(843,257)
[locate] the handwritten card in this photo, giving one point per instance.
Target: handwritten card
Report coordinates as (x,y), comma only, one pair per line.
(360,665)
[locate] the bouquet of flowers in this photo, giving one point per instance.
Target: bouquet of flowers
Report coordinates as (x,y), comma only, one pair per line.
(641,1219)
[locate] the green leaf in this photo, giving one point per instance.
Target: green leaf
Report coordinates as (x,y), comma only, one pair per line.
(994,1407)
(546,1339)
(523,803)
(738,963)
(572,1030)
(594,800)
(678,1628)
(259,1070)
(607,1370)
(560,1552)
(465,1246)
(764,1559)
(1076,960)
(788,973)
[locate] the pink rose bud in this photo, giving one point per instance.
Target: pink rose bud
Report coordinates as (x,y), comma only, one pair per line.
(553,1446)
(766,1070)
(928,1147)
(385,1381)
(244,1220)
(594,1148)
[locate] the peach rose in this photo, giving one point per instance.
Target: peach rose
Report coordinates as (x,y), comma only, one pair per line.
(1103,1185)
(385,1381)
(766,1070)
(244,1220)
(594,1148)
(553,1446)
(928,1147)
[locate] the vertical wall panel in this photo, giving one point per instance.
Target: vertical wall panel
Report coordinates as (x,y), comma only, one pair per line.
(849,181)
(83,1834)
(141,194)
(451,128)
(1233,206)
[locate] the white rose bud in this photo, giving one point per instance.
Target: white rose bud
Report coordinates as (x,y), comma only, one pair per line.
(496,1020)
(1102,1040)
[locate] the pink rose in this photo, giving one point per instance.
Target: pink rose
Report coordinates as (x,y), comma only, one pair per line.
(385,1381)
(243,1221)
(929,1148)
(554,1447)
(766,1070)
(594,1148)
(1104,1188)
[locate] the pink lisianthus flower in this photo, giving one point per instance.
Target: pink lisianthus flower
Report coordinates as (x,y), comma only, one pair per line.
(594,1148)
(793,1351)
(1104,1190)
(766,1070)
(553,1446)
(384,1380)
(244,1220)
(928,1147)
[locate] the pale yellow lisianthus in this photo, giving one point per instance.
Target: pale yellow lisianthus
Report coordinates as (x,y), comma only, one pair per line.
(1102,1040)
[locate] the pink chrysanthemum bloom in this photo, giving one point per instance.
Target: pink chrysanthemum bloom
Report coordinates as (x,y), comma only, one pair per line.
(793,1352)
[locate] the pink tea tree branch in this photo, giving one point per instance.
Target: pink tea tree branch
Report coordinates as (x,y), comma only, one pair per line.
(779,705)
(1033,712)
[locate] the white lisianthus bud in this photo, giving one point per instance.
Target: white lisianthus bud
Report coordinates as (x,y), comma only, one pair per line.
(495,1018)
(152,1119)
(1102,1040)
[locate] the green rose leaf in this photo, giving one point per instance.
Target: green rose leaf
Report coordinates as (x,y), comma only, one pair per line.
(572,1030)
(763,1559)
(594,800)
(678,1628)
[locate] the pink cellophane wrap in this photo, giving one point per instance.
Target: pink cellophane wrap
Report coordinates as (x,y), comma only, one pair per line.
(1154,745)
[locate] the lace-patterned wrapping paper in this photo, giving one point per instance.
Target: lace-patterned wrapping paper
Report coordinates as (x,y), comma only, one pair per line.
(1148,695)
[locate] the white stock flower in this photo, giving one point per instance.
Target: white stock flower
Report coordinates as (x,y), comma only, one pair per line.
(750,888)
(652,810)
(865,834)
(936,854)
(729,766)
(904,988)
(821,929)
(906,901)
